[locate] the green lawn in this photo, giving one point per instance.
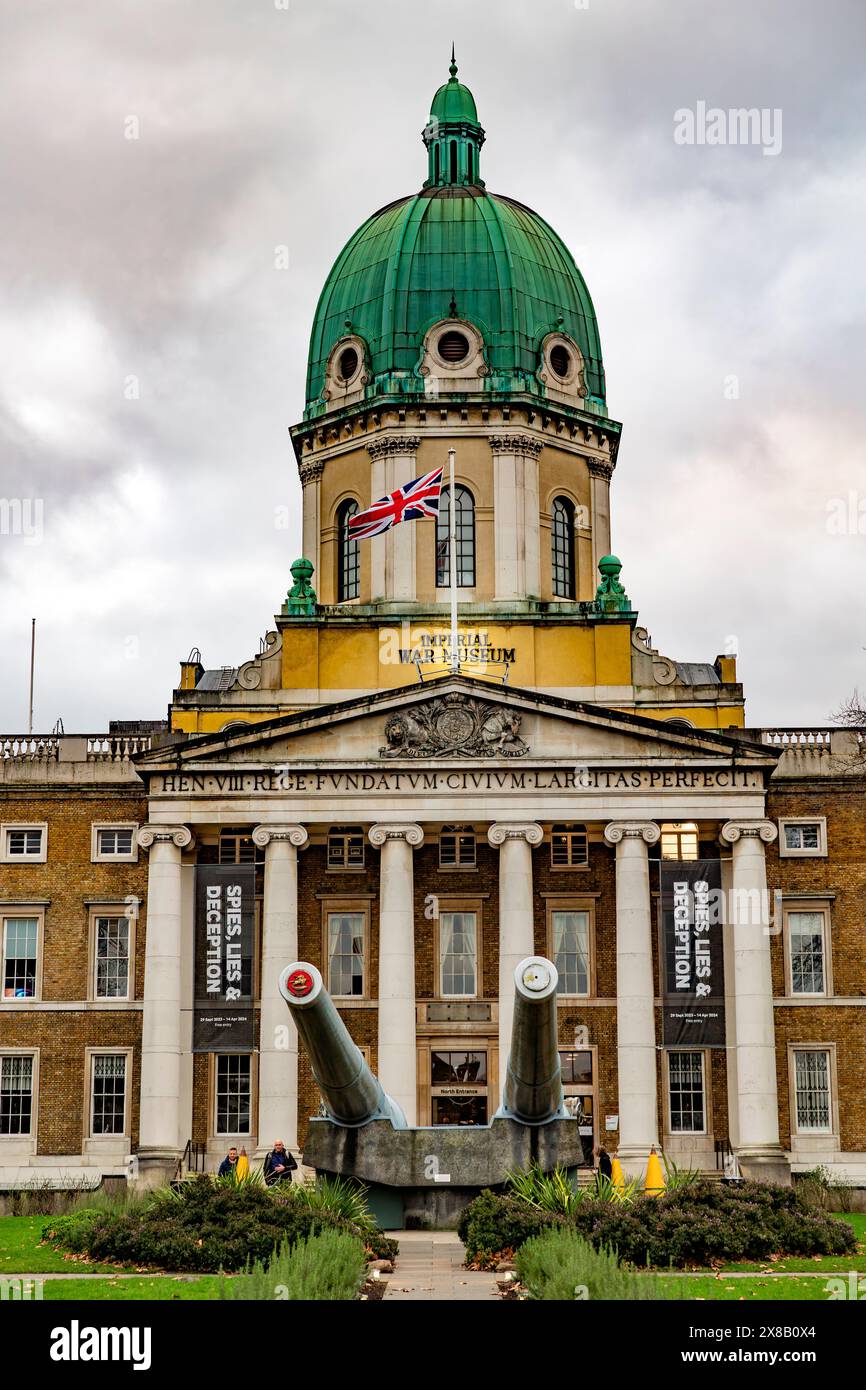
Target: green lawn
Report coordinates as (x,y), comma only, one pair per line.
(165,1288)
(706,1287)
(21,1252)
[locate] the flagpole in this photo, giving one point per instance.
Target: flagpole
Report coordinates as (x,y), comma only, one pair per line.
(452,554)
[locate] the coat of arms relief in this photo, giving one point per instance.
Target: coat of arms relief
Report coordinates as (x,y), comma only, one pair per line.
(454,726)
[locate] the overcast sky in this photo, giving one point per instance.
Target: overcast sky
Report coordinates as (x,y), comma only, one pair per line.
(152,357)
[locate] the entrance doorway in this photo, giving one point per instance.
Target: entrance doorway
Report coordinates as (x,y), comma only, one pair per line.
(458,1086)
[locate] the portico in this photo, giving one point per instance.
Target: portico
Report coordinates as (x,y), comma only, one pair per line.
(287,783)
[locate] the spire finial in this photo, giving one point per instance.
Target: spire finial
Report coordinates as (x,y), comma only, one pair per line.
(453,67)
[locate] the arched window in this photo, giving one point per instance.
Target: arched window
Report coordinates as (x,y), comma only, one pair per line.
(464,525)
(436,164)
(453,161)
(562,543)
(348,554)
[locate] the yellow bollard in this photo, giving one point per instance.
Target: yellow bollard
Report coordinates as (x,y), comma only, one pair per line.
(654,1182)
(616,1176)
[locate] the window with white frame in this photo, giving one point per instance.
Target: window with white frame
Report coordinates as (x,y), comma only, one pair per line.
(346,954)
(679,840)
(345,847)
(457,847)
(16,1094)
(814,1111)
(569,847)
(806,951)
(686,1093)
(111,957)
(108,1093)
(20,957)
(27,843)
(234,1092)
(114,843)
(570,948)
(802,838)
(458,955)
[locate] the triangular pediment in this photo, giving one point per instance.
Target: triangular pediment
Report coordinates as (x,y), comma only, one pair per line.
(456,719)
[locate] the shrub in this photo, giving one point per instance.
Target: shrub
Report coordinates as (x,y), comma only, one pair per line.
(342,1196)
(72,1231)
(695,1225)
(492,1224)
(561,1265)
(328,1267)
(202,1225)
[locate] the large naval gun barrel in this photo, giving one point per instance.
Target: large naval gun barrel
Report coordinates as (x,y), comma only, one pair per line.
(352,1095)
(532,1092)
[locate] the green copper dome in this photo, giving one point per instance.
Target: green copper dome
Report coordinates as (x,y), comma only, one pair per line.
(454,250)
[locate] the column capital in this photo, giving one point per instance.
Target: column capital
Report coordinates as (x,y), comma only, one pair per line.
(179,835)
(525,444)
(503,830)
(402,830)
(264,835)
(618,830)
(734,830)
(402,444)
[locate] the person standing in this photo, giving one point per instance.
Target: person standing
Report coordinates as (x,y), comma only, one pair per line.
(279,1164)
(227,1167)
(605,1167)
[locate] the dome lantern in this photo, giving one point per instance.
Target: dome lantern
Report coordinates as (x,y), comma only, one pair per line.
(453,135)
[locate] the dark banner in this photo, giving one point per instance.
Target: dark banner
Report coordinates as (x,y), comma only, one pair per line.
(693,976)
(224,935)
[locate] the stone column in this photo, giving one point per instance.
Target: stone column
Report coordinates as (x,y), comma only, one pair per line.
(311,471)
(396,1064)
(758,1149)
(635,993)
(160,1142)
(516,516)
(600,474)
(278,1065)
(514,840)
(392,556)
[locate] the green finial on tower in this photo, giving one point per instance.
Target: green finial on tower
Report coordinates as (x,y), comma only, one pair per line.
(610,596)
(453,67)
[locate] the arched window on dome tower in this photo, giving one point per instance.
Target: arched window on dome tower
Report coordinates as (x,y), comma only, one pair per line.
(453,161)
(437,155)
(464,525)
(562,548)
(348,554)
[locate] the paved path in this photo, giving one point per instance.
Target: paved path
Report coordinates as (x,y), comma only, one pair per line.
(430,1268)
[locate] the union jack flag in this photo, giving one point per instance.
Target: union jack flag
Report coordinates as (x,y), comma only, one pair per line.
(411,502)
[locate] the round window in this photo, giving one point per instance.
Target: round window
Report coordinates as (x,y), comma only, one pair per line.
(453,346)
(348,363)
(560,360)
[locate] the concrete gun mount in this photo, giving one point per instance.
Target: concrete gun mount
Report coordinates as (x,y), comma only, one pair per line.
(426,1176)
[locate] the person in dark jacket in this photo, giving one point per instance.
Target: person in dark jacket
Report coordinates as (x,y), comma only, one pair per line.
(228,1164)
(605,1167)
(279,1164)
